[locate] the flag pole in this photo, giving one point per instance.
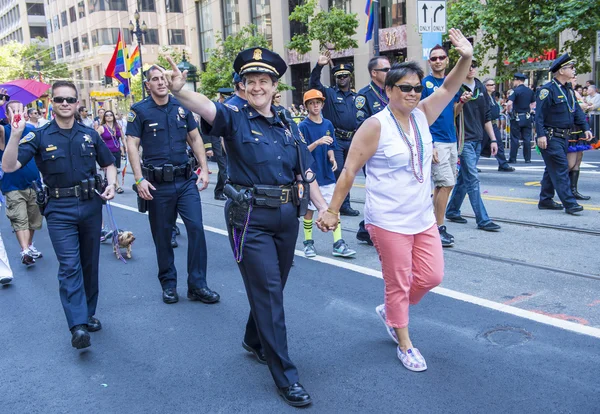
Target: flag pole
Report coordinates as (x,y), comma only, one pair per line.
(376,29)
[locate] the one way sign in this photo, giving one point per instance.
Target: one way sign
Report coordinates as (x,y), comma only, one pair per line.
(431,16)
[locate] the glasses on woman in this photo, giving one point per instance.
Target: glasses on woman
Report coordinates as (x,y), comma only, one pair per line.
(490,84)
(409,88)
(436,58)
(278,97)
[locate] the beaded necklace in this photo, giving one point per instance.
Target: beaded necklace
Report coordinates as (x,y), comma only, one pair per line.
(417,146)
(571,107)
(382,99)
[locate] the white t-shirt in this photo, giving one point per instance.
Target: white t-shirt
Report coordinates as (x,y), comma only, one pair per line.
(395,200)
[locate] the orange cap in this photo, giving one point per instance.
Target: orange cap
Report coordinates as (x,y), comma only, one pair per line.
(313,94)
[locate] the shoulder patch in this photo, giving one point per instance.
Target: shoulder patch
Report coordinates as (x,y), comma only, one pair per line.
(302,137)
(511,92)
(359,102)
(131,116)
(429,84)
(27,138)
(544,94)
(232,107)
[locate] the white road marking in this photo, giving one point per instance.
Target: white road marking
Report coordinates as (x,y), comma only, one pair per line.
(500,307)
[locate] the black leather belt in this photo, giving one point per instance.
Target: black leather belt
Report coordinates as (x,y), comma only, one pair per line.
(166,173)
(343,135)
(559,132)
(268,195)
(69,192)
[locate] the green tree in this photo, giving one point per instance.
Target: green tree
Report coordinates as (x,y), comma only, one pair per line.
(522,29)
(332,29)
(167,51)
(11,64)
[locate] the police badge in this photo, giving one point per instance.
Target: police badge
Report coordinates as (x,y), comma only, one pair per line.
(87,138)
(181,112)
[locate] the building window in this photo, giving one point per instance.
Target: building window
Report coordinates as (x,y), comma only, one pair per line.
(300,78)
(81,9)
(296,27)
(49,26)
(206,30)
(59,51)
(76,45)
(174,6)
(146,6)
(231,17)
(151,37)
(79,78)
(72,14)
(393,13)
(35,9)
(341,4)
(52,54)
(126,36)
(56,25)
(260,12)
(176,37)
(85,45)
(63,18)
(106,5)
(88,76)
(67,48)
(38,31)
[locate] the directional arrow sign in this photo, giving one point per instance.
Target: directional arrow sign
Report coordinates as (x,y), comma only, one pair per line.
(431,16)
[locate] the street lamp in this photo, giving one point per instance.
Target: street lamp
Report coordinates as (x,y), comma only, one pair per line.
(192,75)
(139,33)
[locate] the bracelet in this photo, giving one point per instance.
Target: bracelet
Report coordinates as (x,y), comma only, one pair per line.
(493,140)
(137,182)
(332,212)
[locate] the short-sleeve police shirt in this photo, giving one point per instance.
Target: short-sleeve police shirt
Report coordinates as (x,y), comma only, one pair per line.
(65,157)
(162,130)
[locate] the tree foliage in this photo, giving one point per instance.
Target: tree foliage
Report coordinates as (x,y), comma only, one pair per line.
(522,29)
(18,61)
(332,29)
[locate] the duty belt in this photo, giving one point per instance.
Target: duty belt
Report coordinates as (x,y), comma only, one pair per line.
(83,192)
(343,135)
(166,173)
(268,195)
(558,132)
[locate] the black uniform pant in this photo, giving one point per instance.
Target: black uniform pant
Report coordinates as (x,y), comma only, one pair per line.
(520,130)
(74,228)
(221,159)
(341,153)
(267,259)
(556,174)
(500,157)
(179,196)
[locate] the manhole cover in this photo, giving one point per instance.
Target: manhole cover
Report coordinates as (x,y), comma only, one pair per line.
(507,336)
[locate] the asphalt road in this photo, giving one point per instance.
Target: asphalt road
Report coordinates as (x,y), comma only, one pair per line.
(157,358)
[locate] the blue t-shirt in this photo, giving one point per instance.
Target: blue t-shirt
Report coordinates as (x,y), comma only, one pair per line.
(22,178)
(443,129)
(312,132)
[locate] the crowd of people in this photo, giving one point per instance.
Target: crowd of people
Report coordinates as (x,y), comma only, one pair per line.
(416,138)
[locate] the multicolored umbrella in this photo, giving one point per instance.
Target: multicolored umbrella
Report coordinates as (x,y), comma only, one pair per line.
(24,91)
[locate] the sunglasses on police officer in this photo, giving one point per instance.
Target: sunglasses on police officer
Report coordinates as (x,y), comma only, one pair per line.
(408,88)
(342,76)
(60,99)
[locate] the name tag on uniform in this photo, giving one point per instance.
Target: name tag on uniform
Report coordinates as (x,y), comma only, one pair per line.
(256,132)
(51,148)
(154,125)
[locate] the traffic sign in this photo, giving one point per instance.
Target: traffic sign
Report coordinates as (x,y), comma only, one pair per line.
(431,16)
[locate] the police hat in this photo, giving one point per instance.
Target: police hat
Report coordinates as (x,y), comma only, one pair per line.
(343,69)
(561,62)
(225,91)
(520,76)
(259,60)
(236,78)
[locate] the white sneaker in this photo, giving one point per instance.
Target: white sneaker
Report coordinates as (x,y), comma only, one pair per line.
(33,252)
(6,280)
(381,313)
(412,359)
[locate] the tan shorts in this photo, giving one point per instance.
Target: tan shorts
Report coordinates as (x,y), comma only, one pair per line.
(22,210)
(444,172)
(326,192)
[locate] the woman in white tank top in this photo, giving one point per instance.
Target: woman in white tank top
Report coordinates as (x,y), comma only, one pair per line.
(397,148)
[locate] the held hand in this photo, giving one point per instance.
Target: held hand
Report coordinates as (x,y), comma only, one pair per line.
(436,158)
(16,111)
(542,142)
(175,79)
(494,148)
(333,164)
(202,180)
(3,95)
(589,136)
(109,193)
(327,221)
(461,43)
(144,190)
(325,140)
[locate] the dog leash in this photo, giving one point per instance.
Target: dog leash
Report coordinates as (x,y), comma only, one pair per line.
(115,236)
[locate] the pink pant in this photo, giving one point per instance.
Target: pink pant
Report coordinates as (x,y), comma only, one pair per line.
(412,265)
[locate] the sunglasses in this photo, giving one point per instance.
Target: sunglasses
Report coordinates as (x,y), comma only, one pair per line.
(408,88)
(382,70)
(278,96)
(60,99)
(490,84)
(436,58)
(473,66)
(342,76)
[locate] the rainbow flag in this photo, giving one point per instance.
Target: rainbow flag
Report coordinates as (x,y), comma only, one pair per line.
(118,67)
(134,61)
(370,12)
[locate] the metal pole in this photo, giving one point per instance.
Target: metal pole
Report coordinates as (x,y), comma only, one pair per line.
(376,28)
(139,34)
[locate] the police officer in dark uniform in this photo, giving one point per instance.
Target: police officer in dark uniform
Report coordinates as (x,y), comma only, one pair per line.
(340,110)
(219,154)
(520,103)
(167,180)
(239,94)
(557,111)
(495,110)
(66,153)
(266,155)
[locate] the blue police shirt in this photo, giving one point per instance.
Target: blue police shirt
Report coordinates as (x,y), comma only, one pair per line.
(369,101)
(557,107)
(312,132)
(236,101)
(443,129)
(495,108)
(162,130)
(339,106)
(65,157)
(522,97)
(259,150)
(22,178)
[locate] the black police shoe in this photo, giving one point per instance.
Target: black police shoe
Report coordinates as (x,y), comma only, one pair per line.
(506,169)
(295,395)
(94,324)
(550,205)
(527,161)
(512,161)
(457,219)
(174,241)
(203,295)
(221,197)
(574,210)
(349,212)
(491,226)
(258,353)
(80,338)
(170,295)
